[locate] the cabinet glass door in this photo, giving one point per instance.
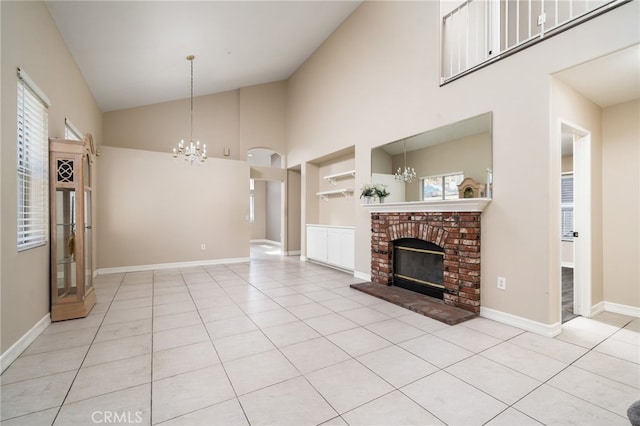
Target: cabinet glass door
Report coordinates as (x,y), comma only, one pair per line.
(66,279)
(88,235)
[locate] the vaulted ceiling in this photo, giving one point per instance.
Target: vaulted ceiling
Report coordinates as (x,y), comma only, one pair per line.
(133,53)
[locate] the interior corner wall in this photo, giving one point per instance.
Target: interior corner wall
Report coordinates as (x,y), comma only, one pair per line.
(621,204)
(31,41)
(155,210)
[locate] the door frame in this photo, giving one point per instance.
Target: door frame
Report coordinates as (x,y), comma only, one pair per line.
(582,245)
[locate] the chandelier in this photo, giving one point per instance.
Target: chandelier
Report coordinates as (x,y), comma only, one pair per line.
(407,175)
(191,151)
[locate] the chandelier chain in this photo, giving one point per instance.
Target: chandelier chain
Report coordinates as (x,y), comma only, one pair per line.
(190,58)
(407,175)
(191,152)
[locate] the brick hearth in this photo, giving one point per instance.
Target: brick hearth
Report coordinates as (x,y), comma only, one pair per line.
(458,233)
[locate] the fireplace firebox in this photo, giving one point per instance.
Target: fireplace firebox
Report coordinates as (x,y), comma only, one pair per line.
(418,265)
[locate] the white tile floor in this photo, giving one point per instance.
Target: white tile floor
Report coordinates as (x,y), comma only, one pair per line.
(281,342)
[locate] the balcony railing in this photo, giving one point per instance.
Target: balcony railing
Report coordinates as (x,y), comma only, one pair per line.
(480,31)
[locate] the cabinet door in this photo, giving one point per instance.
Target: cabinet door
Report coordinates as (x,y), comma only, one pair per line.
(66,266)
(317,243)
(340,247)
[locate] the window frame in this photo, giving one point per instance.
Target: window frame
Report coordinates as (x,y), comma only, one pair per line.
(71,132)
(442,178)
(32,164)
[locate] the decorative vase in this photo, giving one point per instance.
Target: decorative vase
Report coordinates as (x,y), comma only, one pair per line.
(367,199)
(381,200)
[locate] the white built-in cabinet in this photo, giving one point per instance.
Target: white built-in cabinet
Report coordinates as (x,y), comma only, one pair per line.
(333,245)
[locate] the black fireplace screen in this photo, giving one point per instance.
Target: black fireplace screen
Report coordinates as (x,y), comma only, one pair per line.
(418,266)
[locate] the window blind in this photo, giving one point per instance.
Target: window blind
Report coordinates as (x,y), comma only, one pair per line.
(567,207)
(32,164)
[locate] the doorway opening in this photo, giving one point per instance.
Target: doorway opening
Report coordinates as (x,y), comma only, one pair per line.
(575,222)
(265,203)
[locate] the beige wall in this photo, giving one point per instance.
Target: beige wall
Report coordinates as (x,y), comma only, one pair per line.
(262,117)
(155,210)
(351,91)
(337,210)
(274,211)
(160,127)
(242,119)
(621,203)
(293,211)
(42,54)
(258,227)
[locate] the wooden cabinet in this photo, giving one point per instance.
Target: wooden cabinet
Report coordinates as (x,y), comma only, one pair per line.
(72,292)
(333,245)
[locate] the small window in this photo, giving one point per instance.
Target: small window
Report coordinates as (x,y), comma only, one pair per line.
(71,132)
(567,207)
(32,158)
(441,187)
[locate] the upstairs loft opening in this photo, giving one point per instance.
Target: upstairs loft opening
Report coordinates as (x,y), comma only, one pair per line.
(478,32)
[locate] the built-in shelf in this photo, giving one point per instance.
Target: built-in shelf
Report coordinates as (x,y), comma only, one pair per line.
(459,205)
(334,178)
(343,191)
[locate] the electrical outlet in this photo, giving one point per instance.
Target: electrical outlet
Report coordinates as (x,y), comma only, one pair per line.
(502,283)
(203,246)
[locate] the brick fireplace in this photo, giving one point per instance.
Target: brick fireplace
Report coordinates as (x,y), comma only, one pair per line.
(458,233)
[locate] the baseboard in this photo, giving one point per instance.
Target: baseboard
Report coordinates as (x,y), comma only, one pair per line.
(303,258)
(548,330)
(139,268)
(275,243)
(596,309)
(362,276)
(293,253)
(11,354)
(617,308)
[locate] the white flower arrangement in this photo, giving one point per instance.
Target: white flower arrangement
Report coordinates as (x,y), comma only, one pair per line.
(367,190)
(381,191)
